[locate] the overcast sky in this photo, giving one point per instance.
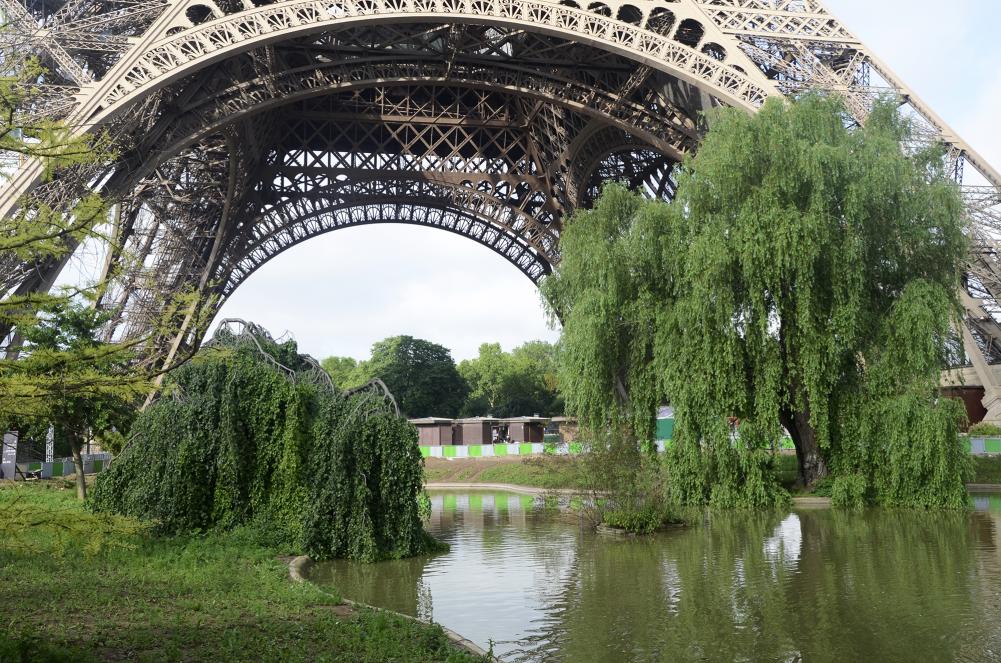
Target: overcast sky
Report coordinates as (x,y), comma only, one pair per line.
(340,292)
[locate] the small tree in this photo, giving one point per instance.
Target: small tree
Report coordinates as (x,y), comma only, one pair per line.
(39,233)
(69,379)
(536,383)
(488,377)
(53,370)
(341,370)
(420,374)
(520,382)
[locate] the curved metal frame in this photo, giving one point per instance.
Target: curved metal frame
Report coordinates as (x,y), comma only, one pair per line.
(254,97)
(174,46)
(476,228)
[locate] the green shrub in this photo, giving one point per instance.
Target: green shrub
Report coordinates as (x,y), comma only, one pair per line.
(985,429)
(824,487)
(640,521)
(247,435)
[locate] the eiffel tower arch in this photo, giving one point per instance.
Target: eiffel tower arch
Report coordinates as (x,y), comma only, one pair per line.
(244,127)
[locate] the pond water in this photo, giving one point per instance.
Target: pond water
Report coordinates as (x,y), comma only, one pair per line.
(804,585)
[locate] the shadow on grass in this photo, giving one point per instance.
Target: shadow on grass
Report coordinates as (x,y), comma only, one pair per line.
(318,634)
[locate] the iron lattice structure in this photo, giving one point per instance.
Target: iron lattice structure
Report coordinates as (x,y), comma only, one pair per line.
(247,126)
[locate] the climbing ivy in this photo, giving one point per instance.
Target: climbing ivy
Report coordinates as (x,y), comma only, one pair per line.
(247,433)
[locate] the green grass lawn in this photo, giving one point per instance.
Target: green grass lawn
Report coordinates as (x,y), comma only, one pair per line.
(542,471)
(136,597)
(987,469)
(564,472)
(787,469)
(535,471)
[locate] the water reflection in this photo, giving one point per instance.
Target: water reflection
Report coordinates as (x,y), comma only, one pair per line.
(805,586)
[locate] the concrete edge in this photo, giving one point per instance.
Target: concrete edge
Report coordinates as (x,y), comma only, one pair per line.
(984,487)
(799,502)
(297,569)
(509,487)
(810,502)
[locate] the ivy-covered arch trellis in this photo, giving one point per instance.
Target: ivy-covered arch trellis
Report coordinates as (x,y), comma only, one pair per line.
(251,433)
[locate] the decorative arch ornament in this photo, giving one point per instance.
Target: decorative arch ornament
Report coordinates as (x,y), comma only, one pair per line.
(500,112)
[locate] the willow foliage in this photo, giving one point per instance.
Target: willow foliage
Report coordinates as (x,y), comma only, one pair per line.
(805,278)
(238,441)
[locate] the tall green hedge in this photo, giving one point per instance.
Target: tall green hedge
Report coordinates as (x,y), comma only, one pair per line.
(240,437)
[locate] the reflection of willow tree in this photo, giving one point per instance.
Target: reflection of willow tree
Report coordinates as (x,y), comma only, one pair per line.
(824,585)
(987,529)
(659,598)
(902,583)
(878,586)
(549,637)
(725,593)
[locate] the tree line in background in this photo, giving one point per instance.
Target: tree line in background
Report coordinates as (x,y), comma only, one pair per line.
(427,382)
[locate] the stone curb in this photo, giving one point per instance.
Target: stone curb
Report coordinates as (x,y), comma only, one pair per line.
(508,487)
(800,502)
(297,569)
(811,502)
(984,487)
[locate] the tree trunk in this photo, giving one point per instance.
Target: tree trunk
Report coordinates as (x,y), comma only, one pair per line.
(812,466)
(81,480)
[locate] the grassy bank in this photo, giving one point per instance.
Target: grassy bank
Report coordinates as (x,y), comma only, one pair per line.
(540,471)
(987,469)
(787,469)
(132,596)
(564,471)
(535,471)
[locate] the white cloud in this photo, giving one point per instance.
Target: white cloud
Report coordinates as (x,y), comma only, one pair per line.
(341,292)
(947,54)
(981,126)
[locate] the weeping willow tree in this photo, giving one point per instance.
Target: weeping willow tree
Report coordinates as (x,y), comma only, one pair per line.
(805,279)
(251,433)
(606,292)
